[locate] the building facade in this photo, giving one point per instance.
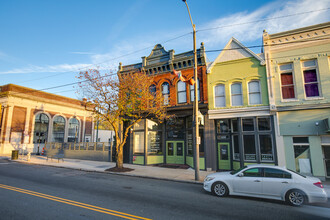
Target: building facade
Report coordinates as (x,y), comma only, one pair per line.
(31,118)
(170,142)
(298,72)
(243,127)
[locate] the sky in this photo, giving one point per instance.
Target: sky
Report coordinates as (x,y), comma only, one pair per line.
(44,44)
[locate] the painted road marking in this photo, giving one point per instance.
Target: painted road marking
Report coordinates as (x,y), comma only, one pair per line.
(74,203)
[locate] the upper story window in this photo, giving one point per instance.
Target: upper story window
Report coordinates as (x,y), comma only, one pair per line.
(310,78)
(236,94)
(152,89)
(254,93)
(166,92)
(192,92)
(182,92)
(287,82)
(219,96)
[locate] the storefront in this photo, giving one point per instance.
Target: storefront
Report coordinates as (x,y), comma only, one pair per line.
(243,141)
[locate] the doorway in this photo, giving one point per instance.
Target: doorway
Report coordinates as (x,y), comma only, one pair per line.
(326,153)
(224,156)
(175,152)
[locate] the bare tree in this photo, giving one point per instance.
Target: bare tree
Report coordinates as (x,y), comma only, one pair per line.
(128,97)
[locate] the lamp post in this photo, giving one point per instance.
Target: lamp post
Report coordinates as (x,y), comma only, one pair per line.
(196,139)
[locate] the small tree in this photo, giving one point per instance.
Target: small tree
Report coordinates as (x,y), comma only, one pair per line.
(128,97)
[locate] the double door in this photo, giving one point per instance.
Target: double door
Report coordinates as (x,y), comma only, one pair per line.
(175,152)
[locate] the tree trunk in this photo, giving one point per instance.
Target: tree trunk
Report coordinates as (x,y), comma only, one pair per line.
(120,158)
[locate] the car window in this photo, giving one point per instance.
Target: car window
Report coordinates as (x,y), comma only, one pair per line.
(275,173)
(236,171)
(253,172)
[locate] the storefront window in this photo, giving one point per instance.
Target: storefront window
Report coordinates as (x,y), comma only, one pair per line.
(248,124)
(249,148)
(154,138)
(190,149)
(302,155)
(236,147)
(234,125)
(175,128)
(41,128)
(266,148)
(73,130)
(138,148)
(263,124)
(223,126)
(58,129)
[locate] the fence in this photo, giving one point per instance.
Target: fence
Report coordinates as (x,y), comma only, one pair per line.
(99,151)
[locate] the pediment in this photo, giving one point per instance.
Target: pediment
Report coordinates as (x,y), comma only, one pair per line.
(158,51)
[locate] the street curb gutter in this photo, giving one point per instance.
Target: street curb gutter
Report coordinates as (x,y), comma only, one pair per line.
(115,173)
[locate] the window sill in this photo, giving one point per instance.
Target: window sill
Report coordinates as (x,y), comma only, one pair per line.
(313,98)
(289,100)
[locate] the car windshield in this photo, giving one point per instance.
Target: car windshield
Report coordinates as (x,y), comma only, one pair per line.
(297,173)
(236,171)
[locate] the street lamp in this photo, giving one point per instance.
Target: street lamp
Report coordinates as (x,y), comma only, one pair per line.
(196,140)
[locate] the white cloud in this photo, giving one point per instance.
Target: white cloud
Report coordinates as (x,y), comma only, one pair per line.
(274,17)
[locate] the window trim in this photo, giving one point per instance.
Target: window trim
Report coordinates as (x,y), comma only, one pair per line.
(317,76)
(231,94)
(198,91)
(215,96)
(260,93)
(183,91)
(293,81)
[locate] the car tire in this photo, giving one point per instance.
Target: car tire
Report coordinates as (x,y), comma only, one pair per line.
(295,197)
(220,189)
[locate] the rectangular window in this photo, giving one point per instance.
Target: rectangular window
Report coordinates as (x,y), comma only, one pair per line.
(248,124)
(254,93)
(182,92)
(138,143)
(236,94)
(310,78)
(192,92)
(249,148)
(236,147)
(287,83)
(155,143)
(219,96)
(264,124)
(266,148)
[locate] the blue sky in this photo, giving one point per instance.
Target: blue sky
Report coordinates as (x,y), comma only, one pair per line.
(45,43)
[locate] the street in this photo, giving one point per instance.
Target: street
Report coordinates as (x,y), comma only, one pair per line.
(40,192)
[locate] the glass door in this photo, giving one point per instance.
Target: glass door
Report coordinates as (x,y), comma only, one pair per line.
(326,151)
(224,156)
(175,152)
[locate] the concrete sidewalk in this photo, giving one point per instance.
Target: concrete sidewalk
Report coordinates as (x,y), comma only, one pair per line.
(180,175)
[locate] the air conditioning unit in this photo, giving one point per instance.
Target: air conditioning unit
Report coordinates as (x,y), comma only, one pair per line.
(327,124)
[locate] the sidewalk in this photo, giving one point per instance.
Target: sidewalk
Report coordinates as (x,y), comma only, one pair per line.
(180,175)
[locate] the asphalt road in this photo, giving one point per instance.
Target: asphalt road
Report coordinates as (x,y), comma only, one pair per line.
(40,192)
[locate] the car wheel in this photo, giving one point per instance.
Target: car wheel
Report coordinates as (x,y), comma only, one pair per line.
(295,197)
(220,189)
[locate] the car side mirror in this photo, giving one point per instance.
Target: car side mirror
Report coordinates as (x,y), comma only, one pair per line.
(240,175)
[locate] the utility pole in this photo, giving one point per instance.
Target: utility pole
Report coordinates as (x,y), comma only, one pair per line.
(195,120)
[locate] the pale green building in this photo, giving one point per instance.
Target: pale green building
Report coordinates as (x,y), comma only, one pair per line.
(298,73)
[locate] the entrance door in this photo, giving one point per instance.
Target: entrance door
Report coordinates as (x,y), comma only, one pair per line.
(326,150)
(175,152)
(224,156)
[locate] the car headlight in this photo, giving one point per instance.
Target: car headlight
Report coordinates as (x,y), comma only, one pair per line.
(208,179)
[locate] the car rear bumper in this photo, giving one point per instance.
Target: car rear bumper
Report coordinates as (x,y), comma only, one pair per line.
(318,197)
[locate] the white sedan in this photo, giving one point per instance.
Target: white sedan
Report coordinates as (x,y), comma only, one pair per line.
(270,182)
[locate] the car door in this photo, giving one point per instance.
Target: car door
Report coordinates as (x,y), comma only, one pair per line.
(248,181)
(276,181)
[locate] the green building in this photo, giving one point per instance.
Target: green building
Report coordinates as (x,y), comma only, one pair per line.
(298,73)
(238,105)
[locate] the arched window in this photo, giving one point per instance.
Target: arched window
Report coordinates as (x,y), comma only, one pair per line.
(182,92)
(166,92)
(219,96)
(236,94)
(58,129)
(254,93)
(152,89)
(73,134)
(192,92)
(41,123)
